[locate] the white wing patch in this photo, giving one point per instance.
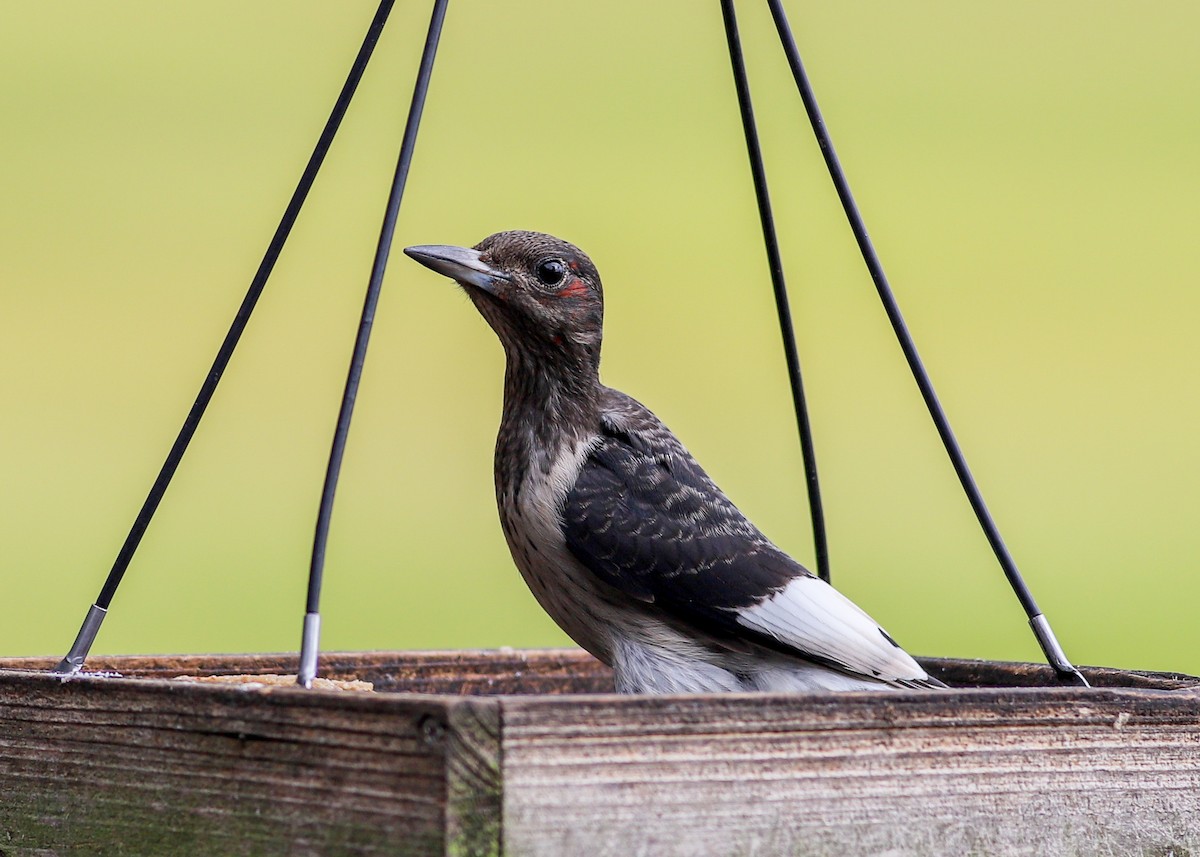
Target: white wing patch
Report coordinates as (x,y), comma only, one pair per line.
(811,616)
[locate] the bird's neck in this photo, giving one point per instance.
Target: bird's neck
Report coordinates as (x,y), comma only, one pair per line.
(548,404)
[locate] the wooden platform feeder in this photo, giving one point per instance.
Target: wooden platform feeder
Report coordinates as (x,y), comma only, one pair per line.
(529,753)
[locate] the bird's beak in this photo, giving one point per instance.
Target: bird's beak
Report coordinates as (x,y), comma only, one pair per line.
(459,263)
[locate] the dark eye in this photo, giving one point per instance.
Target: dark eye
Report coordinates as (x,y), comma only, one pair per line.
(551,271)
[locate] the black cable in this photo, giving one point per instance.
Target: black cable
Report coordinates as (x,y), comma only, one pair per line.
(1038,621)
(83,644)
(782,307)
(342,431)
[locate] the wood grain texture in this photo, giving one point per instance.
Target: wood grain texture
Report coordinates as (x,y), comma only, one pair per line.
(518,753)
(1006,772)
(117,766)
(474,783)
(539,671)
(459,672)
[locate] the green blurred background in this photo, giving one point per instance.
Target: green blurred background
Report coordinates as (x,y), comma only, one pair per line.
(1029,172)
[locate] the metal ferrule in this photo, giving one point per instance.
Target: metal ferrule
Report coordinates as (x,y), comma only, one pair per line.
(75,658)
(1053,651)
(309,645)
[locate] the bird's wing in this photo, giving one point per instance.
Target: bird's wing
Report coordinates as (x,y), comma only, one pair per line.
(648,521)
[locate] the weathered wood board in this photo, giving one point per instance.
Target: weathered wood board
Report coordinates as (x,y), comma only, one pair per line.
(526,754)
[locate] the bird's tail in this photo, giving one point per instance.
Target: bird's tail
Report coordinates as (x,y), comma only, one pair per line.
(927,683)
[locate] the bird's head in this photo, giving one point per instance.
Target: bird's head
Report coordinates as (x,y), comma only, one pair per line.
(540,294)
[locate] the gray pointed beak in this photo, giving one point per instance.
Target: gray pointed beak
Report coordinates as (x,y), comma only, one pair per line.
(458,263)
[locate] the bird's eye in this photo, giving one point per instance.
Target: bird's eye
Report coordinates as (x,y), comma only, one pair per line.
(551,271)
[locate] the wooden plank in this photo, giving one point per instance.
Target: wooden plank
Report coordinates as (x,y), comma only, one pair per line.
(133,766)
(473,672)
(151,767)
(998,772)
(961,673)
(541,671)
(474,782)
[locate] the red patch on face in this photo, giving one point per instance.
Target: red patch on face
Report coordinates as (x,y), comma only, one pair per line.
(574,289)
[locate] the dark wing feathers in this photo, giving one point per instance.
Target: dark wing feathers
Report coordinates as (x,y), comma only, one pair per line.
(649,522)
(656,527)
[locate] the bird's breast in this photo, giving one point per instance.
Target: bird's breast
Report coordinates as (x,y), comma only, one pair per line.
(531,485)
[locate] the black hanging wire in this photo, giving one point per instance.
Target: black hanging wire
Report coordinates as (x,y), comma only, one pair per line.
(309,643)
(74,660)
(782,307)
(1037,620)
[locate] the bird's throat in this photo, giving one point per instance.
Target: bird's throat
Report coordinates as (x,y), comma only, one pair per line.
(546,407)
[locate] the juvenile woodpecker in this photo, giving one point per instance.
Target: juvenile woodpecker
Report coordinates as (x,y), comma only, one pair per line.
(621,536)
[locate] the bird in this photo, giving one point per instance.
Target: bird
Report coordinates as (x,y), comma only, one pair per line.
(622,537)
